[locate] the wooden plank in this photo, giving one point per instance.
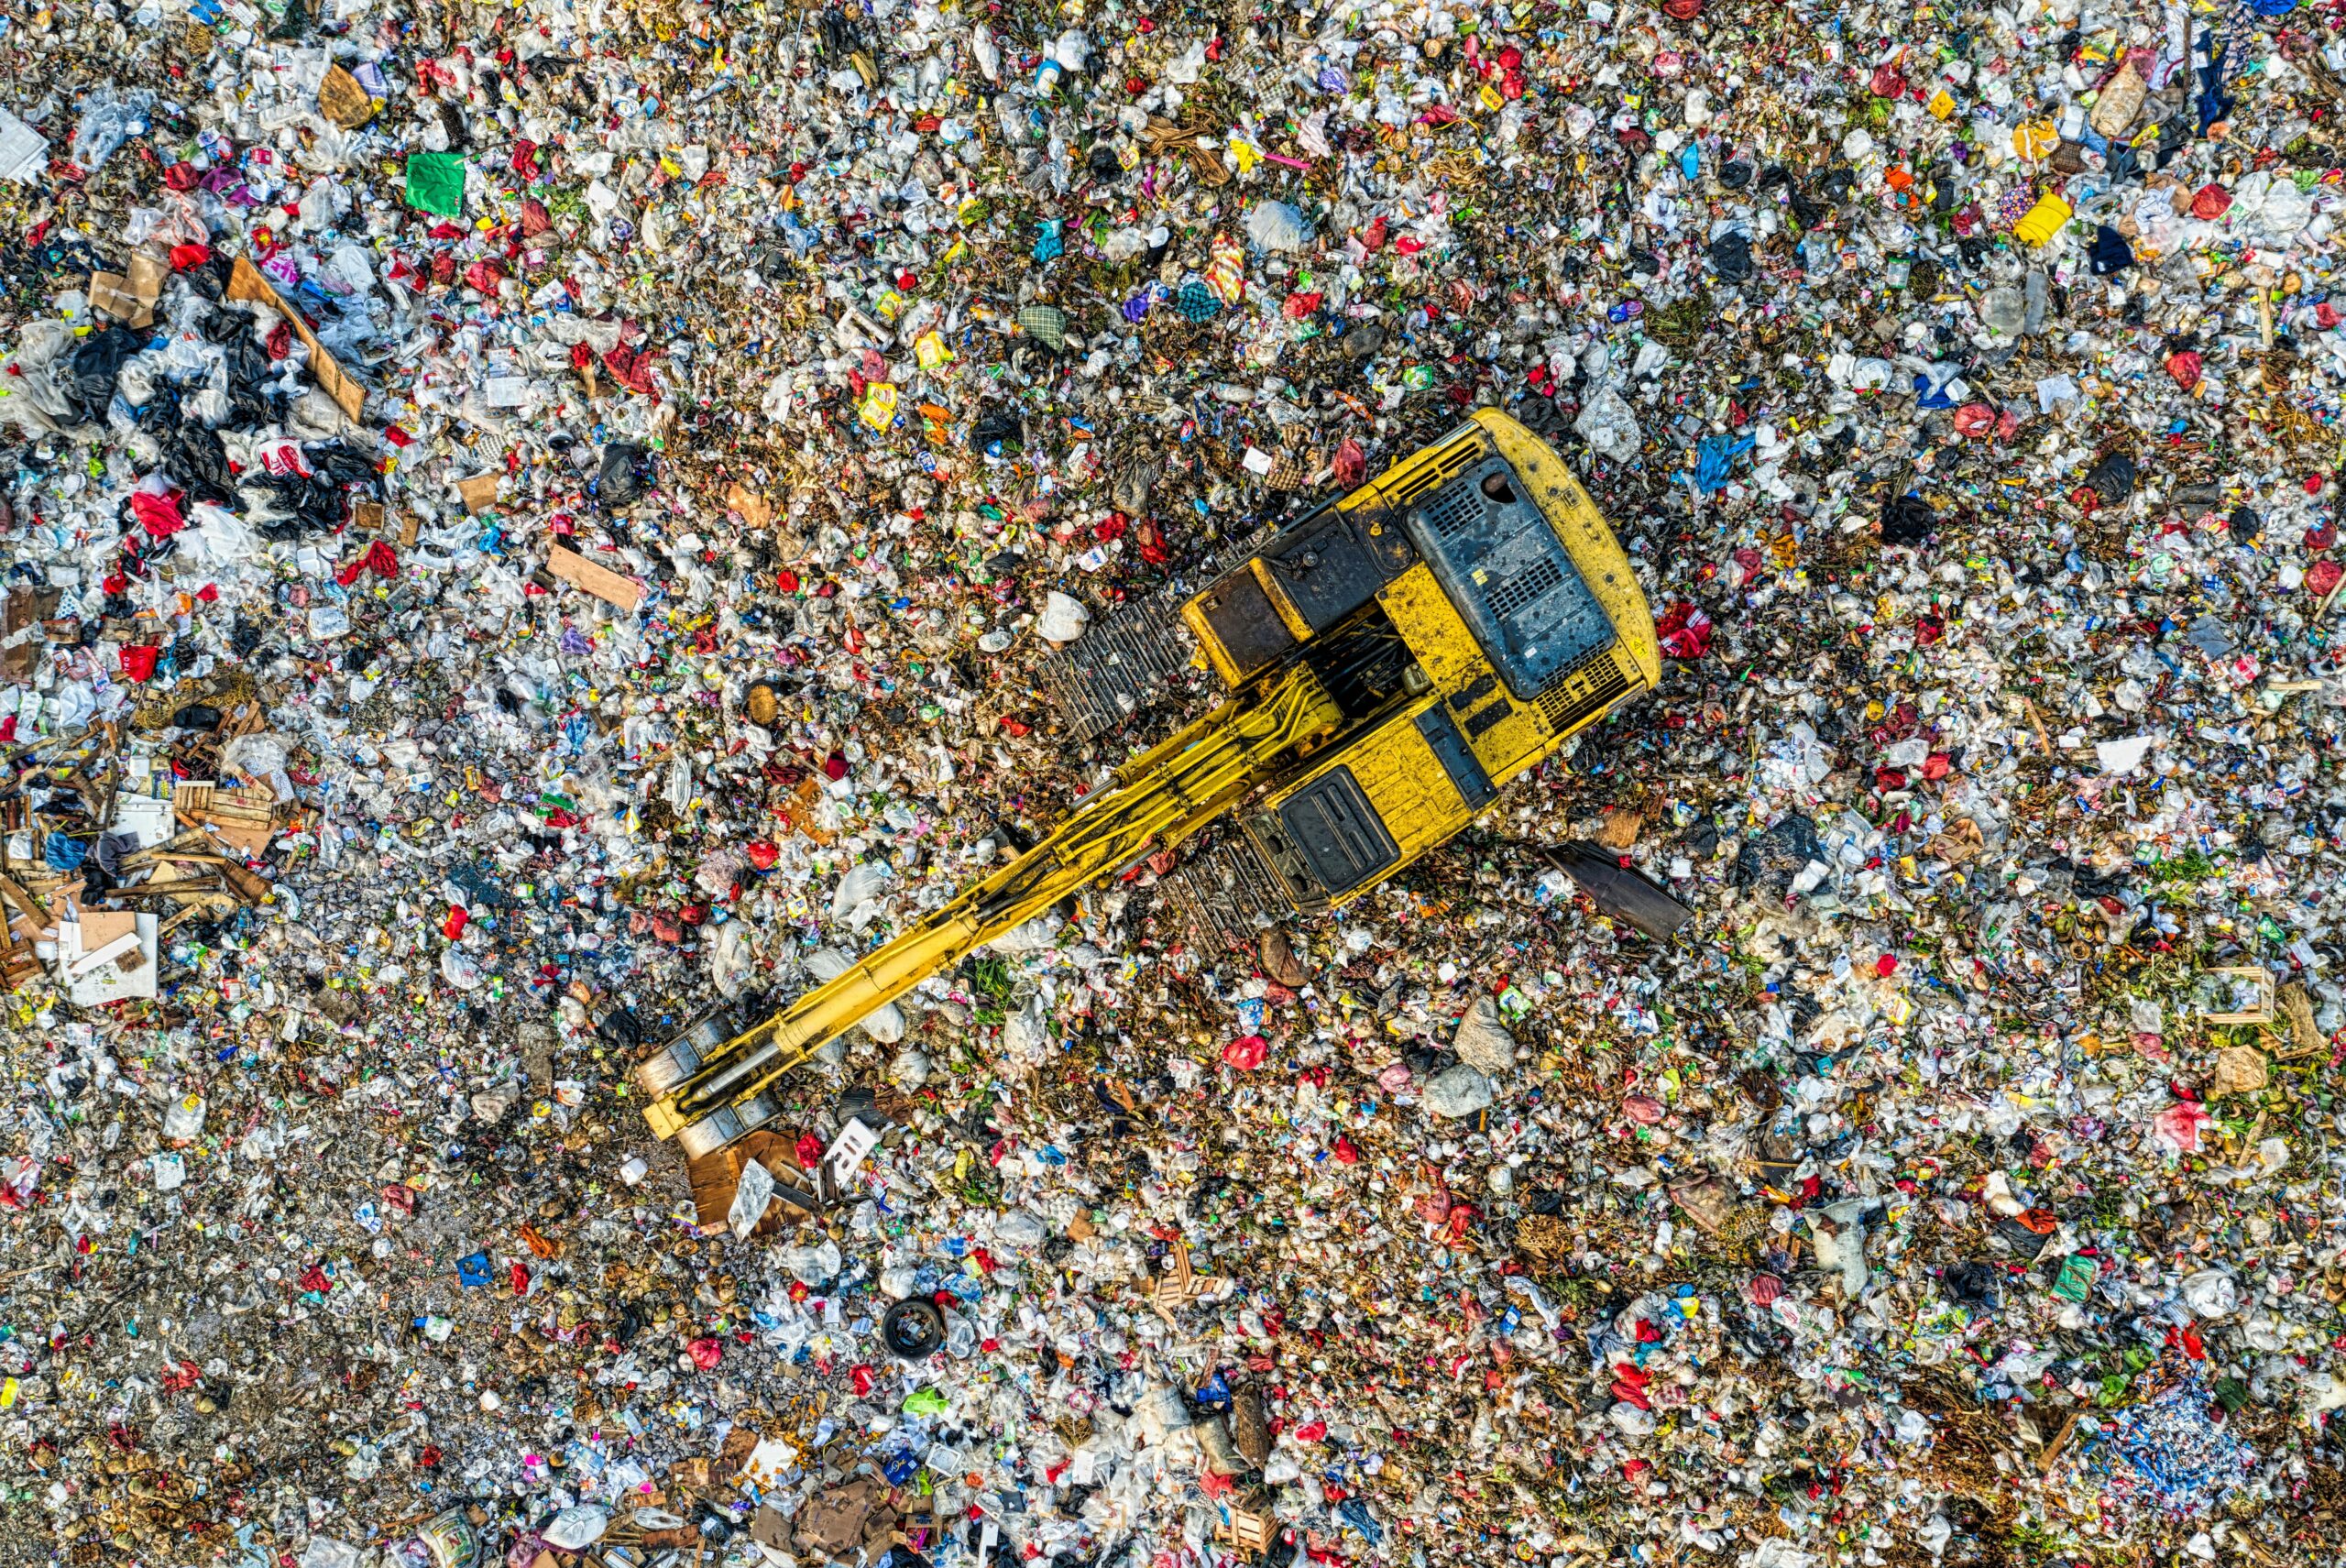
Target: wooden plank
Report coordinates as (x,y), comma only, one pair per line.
(601,581)
(13,892)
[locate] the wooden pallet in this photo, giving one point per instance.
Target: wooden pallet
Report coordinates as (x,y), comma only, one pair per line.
(241,818)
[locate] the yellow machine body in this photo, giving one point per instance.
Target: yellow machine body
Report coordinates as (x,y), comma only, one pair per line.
(1464,693)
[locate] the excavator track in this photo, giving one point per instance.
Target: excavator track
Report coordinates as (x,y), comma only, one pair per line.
(1223,892)
(1128,663)
(1135,659)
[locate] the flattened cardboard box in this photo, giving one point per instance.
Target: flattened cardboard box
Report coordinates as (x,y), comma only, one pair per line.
(129,296)
(342,100)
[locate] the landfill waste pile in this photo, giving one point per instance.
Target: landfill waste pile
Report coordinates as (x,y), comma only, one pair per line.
(522,522)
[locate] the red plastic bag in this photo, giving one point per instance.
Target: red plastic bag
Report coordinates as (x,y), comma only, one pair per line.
(1684,631)
(159,515)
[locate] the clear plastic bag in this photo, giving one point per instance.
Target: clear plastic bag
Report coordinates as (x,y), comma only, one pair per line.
(109,118)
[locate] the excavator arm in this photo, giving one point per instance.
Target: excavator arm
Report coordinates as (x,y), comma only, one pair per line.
(706,1089)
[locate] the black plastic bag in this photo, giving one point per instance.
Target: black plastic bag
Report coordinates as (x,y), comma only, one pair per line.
(96,363)
(209,277)
(2112,479)
(624,475)
(1731,254)
(1907,520)
(195,456)
(339,465)
(1975,1284)
(249,370)
(320,499)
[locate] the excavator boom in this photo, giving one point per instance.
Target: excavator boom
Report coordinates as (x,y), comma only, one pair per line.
(706,1098)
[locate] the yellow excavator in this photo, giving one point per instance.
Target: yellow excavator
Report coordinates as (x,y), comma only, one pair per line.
(1392,661)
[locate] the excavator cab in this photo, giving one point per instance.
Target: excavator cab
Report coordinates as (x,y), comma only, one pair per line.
(1469,609)
(1390,662)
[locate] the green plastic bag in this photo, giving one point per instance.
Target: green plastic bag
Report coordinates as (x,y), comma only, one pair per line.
(926,1402)
(435,182)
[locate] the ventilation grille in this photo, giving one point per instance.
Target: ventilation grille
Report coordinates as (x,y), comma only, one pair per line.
(1586,688)
(1526,587)
(1454,511)
(1447,465)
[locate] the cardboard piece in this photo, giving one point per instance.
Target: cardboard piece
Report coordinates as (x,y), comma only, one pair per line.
(832,1522)
(107,956)
(769,1527)
(755,509)
(343,101)
(2240,1069)
(372,517)
(245,283)
(479,490)
(1169,1292)
(25,608)
(601,581)
(129,296)
(734,1452)
(716,1181)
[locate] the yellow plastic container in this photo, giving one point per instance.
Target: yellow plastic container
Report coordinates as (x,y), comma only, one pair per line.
(2042,221)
